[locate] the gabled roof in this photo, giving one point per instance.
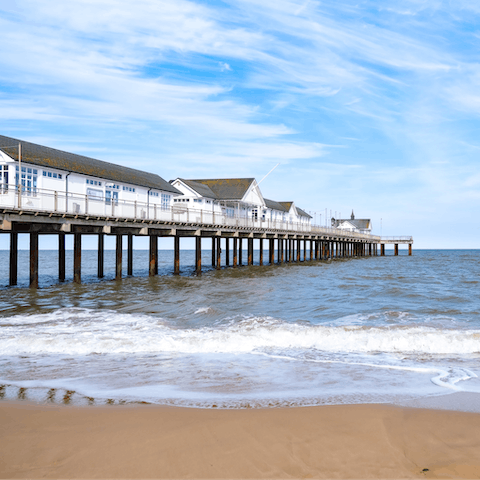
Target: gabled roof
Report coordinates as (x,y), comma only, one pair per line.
(70,162)
(361,224)
(302,213)
(274,205)
(202,189)
(223,188)
(286,205)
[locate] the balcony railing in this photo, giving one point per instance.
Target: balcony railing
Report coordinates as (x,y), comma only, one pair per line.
(42,200)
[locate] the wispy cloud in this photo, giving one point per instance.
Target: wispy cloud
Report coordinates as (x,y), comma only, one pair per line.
(199,88)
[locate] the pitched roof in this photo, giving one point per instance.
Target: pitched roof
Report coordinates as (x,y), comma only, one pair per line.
(286,205)
(224,188)
(361,224)
(200,188)
(275,205)
(70,162)
(302,213)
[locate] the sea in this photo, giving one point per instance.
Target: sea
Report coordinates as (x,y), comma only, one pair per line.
(360,330)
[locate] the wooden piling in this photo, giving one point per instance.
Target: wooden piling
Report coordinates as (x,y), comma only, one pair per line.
(198,255)
(410,249)
(176,255)
(219,253)
(250,251)
(153,256)
(227,252)
(382,250)
(214,257)
(299,250)
(130,255)
(77,257)
(100,255)
(396,249)
(118,257)
(240,252)
(13,258)
(235,252)
(61,257)
(33,260)
(271,251)
(261,252)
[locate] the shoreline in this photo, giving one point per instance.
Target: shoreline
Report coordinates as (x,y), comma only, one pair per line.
(151,441)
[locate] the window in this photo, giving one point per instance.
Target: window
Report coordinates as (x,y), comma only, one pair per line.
(94,182)
(230,212)
(29,180)
(165,201)
(111,196)
(113,185)
(3,179)
(52,175)
(153,194)
(128,189)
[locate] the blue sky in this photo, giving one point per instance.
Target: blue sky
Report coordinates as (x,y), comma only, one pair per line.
(367,105)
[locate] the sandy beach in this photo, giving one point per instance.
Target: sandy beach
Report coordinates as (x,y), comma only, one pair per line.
(353,441)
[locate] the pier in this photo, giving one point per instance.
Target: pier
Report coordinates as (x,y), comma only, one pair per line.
(290,246)
(44,191)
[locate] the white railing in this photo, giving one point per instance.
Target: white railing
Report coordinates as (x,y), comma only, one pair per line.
(42,200)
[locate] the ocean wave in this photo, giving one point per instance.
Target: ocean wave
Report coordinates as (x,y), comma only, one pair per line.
(83,331)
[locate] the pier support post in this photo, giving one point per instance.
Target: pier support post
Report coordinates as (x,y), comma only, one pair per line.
(250,251)
(13,258)
(240,252)
(198,255)
(382,249)
(101,255)
(311,250)
(77,257)
(219,253)
(396,249)
(317,249)
(261,252)
(279,250)
(227,252)
(118,257)
(290,250)
(34,260)
(235,252)
(176,255)
(299,248)
(130,255)
(271,251)
(153,256)
(214,257)
(410,249)
(61,257)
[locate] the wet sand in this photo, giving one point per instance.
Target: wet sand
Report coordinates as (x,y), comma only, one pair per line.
(352,441)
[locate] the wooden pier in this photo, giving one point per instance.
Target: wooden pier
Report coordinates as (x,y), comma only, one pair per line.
(291,246)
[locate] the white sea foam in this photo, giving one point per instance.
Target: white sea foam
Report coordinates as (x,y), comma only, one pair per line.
(82,332)
(104,354)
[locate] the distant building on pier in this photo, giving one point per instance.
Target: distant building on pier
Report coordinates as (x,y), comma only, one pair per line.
(360,225)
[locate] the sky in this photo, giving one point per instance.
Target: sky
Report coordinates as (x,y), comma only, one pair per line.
(369,106)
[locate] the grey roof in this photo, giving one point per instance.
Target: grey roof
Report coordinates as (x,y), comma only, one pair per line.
(275,205)
(201,188)
(223,188)
(70,162)
(361,224)
(302,213)
(286,205)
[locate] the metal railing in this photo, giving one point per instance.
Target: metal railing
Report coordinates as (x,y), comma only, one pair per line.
(58,202)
